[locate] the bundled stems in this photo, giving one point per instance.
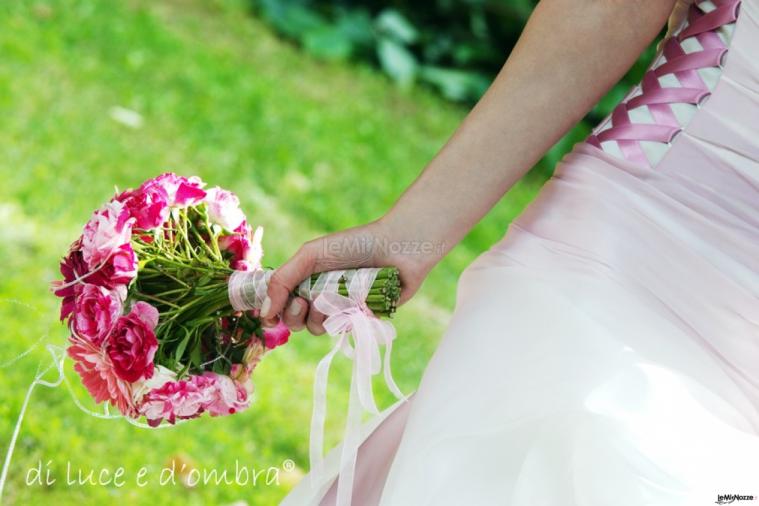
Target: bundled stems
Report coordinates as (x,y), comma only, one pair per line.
(185,275)
(383,296)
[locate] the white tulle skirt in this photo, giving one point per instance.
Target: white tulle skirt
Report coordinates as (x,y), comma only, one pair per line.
(606,351)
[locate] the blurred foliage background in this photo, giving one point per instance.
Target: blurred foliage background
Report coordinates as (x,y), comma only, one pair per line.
(455,47)
(318,114)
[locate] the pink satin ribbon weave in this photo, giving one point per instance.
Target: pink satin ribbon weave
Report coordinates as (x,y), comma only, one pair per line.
(684,66)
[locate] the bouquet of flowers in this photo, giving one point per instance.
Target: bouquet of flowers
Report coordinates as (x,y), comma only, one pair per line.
(163,325)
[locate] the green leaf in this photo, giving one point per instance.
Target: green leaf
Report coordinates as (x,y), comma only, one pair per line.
(328,42)
(455,84)
(358,27)
(397,61)
(290,18)
(218,367)
(195,357)
(438,47)
(182,346)
(471,53)
(394,25)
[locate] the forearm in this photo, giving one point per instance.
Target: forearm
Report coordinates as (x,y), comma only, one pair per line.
(570,53)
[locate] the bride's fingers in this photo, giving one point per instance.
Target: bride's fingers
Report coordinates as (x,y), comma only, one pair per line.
(270,322)
(314,322)
(285,279)
(295,313)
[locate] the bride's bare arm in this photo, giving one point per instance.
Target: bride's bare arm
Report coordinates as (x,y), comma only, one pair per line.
(569,54)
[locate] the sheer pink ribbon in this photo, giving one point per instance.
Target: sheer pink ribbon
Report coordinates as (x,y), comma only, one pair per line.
(349,316)
(346,317)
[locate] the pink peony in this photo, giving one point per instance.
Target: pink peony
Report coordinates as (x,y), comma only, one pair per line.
(276,336)
(224,208)
(148,205)
(109,228)
(96,370)
(132,344)
(97,309)
(189,398)
(181,191)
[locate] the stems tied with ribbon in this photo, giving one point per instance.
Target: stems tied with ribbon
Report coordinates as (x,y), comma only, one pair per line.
(351,300)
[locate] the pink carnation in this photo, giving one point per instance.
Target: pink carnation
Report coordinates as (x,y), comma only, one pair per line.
(109,228)
(97,309)
(73,267)
(236,243)
(132,344)
(177,399)
(96,370)
(114,274)
(245,247)
(189,398)
(224,208)
(276,336)
(181,191)
(149,205)
(120,269)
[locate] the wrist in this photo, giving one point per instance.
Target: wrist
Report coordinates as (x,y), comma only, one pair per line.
(402,241)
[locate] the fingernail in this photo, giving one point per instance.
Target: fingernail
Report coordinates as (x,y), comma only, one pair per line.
(265,306)
(295,308)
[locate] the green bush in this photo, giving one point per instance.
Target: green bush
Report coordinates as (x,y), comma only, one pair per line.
(455,46)
(309,150)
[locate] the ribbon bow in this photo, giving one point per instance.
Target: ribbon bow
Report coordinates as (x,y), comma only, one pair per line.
(349,316)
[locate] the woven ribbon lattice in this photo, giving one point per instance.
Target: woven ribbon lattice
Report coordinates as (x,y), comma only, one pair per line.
(684,66)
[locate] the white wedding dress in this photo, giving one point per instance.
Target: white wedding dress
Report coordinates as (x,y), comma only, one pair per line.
(606,351)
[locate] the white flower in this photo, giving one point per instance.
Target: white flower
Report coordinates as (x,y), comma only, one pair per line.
(255,252)
(224,208)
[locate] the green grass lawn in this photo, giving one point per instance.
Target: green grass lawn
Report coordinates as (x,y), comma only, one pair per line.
(310,147)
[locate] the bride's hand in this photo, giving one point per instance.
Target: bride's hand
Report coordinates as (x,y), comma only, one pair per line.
(373,245)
